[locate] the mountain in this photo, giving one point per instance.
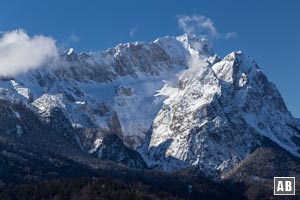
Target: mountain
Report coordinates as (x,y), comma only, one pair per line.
(169,104)
(217,115)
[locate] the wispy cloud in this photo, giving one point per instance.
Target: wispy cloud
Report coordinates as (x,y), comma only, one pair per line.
(132,32)
(197,25)
(231,35)
(19,52)
(69,41)
(202,26)
(73,38)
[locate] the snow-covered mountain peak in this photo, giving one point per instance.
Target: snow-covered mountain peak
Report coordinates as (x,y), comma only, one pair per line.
(195,43)
(69,55)
(226,105)
(151,58)
(236,68)
(70,51)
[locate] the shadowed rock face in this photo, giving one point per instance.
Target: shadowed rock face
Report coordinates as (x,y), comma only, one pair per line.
(33,148)
(113,149)
(9,121)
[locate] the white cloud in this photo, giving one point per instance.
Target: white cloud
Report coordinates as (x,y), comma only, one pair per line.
(132,32)
(20,52)
(197,25)
(69,41)
(74,38)
(231,35)
(202,26)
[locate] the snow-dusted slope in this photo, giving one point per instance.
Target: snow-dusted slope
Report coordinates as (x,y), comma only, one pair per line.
(173,100)
(217,116)
(103,92)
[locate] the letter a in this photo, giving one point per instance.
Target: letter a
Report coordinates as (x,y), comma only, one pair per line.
(280,186)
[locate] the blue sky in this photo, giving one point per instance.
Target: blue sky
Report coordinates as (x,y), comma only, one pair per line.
(268,31)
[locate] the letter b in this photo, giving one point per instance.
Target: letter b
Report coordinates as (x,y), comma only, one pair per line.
(288,186)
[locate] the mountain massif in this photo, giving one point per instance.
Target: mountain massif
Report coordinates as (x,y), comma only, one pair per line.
(169,105)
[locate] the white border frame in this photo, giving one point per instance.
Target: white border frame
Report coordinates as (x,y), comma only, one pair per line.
(284,194)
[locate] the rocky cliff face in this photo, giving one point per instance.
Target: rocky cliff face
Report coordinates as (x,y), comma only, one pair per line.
(217,116)
(172,100)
